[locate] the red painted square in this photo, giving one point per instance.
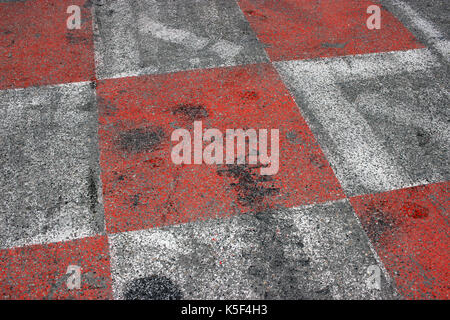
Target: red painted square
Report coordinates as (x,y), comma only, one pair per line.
(142,188)
(410,231)
(38,271)
(36,48)
(305,29)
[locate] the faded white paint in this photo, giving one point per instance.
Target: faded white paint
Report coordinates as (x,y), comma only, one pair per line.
(364,155)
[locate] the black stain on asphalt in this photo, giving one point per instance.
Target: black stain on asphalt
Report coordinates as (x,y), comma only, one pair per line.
(53,210)
(379,222)
(135,200)
(250,95)
(192,112)
(250,188)
(153,287)
(141,139)
(385,217)
(414,210)
(73,37)
(293,137)
(89,106)
(423,137)
(256,271)
(94,281)
(280,275)
(105,107)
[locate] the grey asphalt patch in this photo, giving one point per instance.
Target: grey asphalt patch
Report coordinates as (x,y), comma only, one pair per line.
(313,252)
(146,37)
(435,11)
(49,165)
(428,22)
(381,119)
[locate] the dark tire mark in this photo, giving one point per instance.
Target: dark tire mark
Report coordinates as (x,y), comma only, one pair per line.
(152,288)
(191,112)
(280,276)
(141,139)
(334,45)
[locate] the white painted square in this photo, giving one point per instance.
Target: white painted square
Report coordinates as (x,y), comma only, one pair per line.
(49,165)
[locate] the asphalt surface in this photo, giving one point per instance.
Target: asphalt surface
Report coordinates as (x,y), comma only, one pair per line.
(357,208)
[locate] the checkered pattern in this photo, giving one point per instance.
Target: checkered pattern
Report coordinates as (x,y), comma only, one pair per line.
(87,180)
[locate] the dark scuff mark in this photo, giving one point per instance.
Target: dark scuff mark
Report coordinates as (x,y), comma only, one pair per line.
(423,137)
(386,216)
(56,208)
(191,112)
(92,192)
(256,14)
(89,106)
(93,281)
(153,287)
(279,276)
(58,285)
(74,38)
(413,210)
(251,193)
(334,45)
(325,292)
(90,3)
(317,161)
(105,108)
(250,95)
(154,162)
(141,139)
(293,137)
(379,222)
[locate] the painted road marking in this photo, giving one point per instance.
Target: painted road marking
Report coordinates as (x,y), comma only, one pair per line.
(310,29)
(316,251)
